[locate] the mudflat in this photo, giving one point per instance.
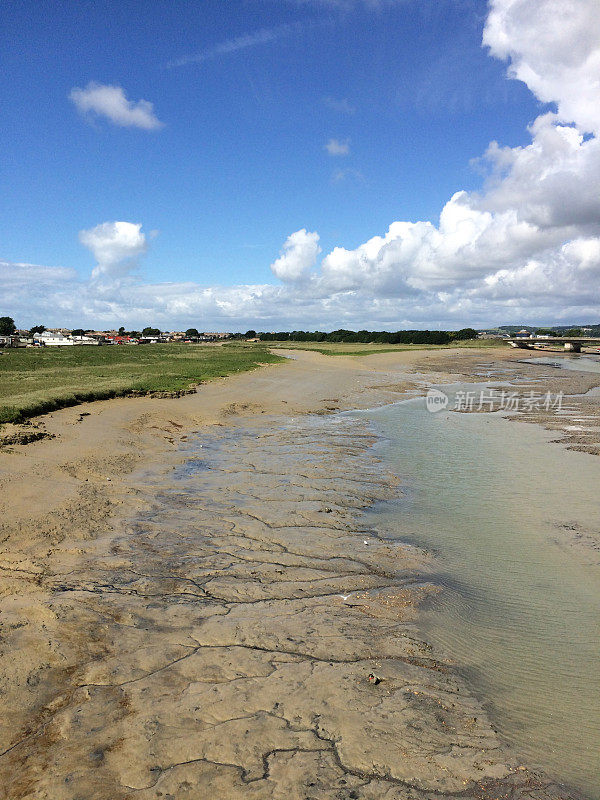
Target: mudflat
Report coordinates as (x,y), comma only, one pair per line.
(193,605)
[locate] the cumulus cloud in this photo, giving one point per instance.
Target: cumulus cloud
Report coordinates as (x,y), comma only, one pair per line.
(553,47)
(116,247)
(338,147)
(551,183)
(298,256)
(112,103)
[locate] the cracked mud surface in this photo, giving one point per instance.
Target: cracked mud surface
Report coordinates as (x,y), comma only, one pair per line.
(220,644)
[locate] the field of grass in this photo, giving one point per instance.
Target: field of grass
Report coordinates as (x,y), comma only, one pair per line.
(37,380)
(349,349)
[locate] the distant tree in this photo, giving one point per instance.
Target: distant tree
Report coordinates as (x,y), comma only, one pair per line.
(191,332)
(78,332)
(150,332)
(121,331)
(37,329)
(464,333)
(573,332)
(7,326)
(545,332)
(250,334)
(133,334)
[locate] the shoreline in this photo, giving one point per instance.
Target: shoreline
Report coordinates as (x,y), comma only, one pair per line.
(90,479)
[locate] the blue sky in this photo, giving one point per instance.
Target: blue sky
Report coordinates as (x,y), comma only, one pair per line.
(245,95)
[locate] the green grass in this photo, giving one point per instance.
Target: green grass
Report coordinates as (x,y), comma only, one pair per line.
(349,349)
(34,381)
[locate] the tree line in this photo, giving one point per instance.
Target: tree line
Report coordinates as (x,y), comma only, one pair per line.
(371,337)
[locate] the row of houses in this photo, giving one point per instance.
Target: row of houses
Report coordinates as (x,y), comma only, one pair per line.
(60,337)
(45,338)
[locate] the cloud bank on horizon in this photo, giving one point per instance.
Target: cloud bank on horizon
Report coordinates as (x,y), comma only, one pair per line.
(526,246)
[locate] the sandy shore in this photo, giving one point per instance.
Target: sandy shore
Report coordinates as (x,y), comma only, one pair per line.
(179,626)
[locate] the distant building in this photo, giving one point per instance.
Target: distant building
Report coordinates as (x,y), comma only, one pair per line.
(57,339)
(523,334)
(85,340)
(14,340)
(53,339)
(121,340)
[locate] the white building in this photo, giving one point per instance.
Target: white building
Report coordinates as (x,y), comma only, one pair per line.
(84,340)
(53,339)
(57,339)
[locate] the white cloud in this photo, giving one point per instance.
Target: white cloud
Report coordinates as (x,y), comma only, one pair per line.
(298,256)
(553,47)
(342,106)
(30,292)
(111,102)
(372,287)
(551,183)
(15,276)
(338,147)
(116,247)
(242,42)
(341,175)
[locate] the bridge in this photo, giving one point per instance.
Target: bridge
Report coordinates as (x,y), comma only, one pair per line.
(571,344)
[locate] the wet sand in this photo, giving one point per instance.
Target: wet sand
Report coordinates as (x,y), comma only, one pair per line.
(192,602)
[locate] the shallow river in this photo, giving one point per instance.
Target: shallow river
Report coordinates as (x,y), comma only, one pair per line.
(579,363)
(505,513)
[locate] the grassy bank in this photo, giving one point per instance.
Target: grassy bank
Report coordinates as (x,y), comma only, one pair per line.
(37,380)
(348,349)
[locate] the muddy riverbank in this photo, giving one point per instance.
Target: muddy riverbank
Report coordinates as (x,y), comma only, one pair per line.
(201,608)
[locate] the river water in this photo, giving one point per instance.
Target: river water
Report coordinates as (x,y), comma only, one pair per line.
(506,513)
(578,363)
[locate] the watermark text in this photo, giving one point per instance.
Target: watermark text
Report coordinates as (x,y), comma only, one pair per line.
(493,400)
